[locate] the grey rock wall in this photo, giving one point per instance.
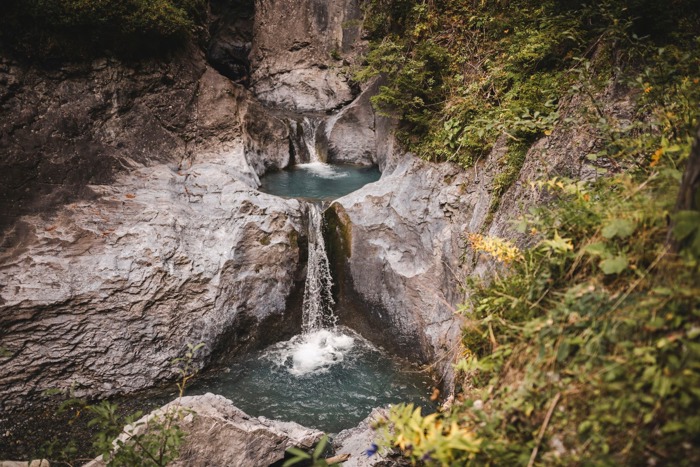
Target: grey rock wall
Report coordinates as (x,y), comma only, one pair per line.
(396,246)
(103,295)
(299,51)
(399,245)
(132,225)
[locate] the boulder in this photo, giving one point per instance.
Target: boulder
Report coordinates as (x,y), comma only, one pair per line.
(359,441)
(218,433)
(395,246)
(351,132)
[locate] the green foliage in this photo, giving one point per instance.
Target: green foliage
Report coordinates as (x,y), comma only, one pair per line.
(76,29)
(314,459)
(586,350)
(153,442)
(126,440)
(599,319)
(430,438)
(460,74)
(509,171)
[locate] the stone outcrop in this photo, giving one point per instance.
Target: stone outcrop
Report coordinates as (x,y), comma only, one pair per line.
(351,133)
(156,238)
(396,246)
(231,36)
(359,441)
(218,433)
(64,129)
(399,247)
(300,51)
(104,294)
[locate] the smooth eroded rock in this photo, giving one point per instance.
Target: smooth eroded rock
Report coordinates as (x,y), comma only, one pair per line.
(103,295)
(396,246)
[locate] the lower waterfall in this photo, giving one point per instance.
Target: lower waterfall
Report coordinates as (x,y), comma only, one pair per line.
(318,303)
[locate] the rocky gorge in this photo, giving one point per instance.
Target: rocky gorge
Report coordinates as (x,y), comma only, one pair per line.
(131,223)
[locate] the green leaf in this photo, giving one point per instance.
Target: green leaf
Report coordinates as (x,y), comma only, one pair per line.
(614,265)
(597,249)
(320,447)
(686,222)
(563,351)
(558,243)
(299,456)
(672,427)
(621,228)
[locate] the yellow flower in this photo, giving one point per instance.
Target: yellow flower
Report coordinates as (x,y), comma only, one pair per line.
(648,89)
(656,157)
(502,250)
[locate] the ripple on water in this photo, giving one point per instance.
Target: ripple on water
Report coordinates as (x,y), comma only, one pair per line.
(318,181)
(330,380)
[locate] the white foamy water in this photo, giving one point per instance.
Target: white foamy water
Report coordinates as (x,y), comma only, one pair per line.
(323,170)
(317,308)
(312,353)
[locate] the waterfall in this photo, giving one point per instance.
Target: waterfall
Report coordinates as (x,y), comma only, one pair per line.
(308,139)
(317,309)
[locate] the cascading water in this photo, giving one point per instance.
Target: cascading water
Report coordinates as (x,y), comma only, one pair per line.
(320,345)
(327,377)
(317,310)
(308,139)
(313,145)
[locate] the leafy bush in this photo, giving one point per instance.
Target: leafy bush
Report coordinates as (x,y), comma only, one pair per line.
(503,67)
(585,348)
(80,28)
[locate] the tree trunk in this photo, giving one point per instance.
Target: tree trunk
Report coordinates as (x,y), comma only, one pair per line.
(689,193)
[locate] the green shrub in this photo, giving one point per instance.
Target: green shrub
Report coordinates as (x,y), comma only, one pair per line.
(76,29)
(585,348)
(459,74)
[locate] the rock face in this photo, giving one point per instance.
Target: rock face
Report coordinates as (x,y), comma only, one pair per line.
(351,133)
(231,30)
(396,245)
(164,239)
(103,295)
(399,247)
(357,441)
(218,433)
(298,52)
(65,129)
